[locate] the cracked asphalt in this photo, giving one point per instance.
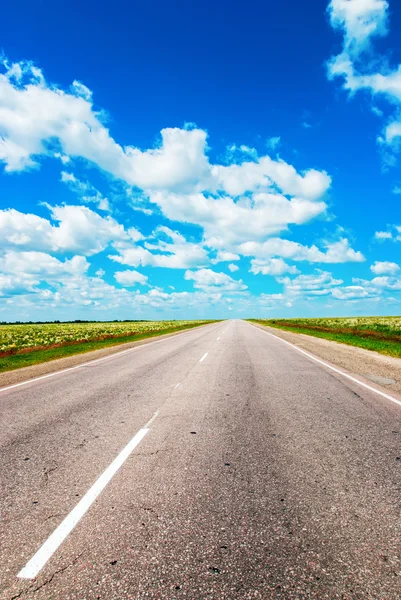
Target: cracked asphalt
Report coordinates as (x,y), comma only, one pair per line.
(264,475)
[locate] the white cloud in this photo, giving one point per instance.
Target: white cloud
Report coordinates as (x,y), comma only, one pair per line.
(341,252)
(78,229)
(63,158)
(361,21)
(34,114)
(318,284)
(39,119)
(240,206)
(271,266)
(322,283)
(180,162)
(383,235)
(271,300)
(336,252)
(394,234)
(175,253)
(69,291)
(268,173)
(224,256)
(384,268)
(389,283)
(81,229)
(38,263)
(22,272)
(273,143)
(85,190)
(226,222)
(81,90)
(208,280)
(351,292)
(378,285)
(37,116)
(130,278)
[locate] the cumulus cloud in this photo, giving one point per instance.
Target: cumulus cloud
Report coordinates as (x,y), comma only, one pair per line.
(273,143)
(130,278)
(77,229)
(224,256)
(384,268)
(169,249)
(241,207)
(319,284)
(360,22)
(271,266)
(85,190)
(37,116)
(335,252)
(226,222)
(209,280)
(323,284)
(268,173)
(381,284)
(383,235)
(22,272)
(393,234)
(351,292)
(40,263)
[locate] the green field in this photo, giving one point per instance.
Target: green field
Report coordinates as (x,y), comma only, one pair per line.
(381,334)
(24,344)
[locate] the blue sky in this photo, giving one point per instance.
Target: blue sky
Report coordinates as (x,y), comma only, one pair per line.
(196,160)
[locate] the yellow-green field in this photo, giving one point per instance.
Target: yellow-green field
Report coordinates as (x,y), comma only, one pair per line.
(382,334)
(26,344)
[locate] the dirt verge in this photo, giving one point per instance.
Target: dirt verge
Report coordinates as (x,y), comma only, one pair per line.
(377,369)
(25,373)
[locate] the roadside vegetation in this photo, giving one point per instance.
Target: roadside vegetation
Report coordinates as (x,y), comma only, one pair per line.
(26,344)
(381,334)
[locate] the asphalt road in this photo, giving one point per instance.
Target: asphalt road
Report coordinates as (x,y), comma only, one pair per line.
(263,474)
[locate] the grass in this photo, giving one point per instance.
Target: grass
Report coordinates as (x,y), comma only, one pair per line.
(380,334)
(27,357)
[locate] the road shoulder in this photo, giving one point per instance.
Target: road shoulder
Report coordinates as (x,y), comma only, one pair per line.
(377,369)
(26,373)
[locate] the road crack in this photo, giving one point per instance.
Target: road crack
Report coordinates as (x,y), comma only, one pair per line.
(48,470)
(57,572)
(31,589)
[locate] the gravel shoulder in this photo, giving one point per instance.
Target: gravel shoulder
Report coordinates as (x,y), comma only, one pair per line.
(26,373)
(376,369)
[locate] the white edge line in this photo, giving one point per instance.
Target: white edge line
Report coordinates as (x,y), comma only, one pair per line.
(203,357)
(97,360)
(46,551)
(149,423)
(177,385)
(322,362)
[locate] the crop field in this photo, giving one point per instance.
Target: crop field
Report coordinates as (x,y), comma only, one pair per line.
(382,334)
(25,344)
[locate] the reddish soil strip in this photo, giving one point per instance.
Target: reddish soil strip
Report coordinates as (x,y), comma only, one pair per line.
(366,333)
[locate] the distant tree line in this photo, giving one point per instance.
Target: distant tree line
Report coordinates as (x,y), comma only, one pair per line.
(75,321)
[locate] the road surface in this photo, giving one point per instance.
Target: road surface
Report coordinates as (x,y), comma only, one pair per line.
(217,464)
